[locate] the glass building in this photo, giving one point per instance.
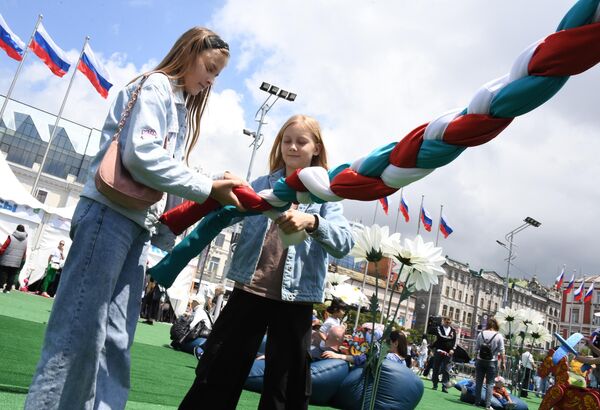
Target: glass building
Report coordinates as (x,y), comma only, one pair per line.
(23,145)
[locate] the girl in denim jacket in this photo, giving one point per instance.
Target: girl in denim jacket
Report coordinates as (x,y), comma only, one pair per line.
(275,289)
(85,358)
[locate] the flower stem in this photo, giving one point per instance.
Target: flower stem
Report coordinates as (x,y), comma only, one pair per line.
(387,313)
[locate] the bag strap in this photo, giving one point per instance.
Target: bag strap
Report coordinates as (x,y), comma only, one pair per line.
(487,342)
(127,111)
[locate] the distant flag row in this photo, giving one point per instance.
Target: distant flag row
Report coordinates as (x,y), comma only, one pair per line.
(578,294)
(55,57)
(424,215)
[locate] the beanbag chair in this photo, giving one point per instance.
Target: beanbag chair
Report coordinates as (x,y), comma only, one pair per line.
(399,388)
(495,403)
(327,375)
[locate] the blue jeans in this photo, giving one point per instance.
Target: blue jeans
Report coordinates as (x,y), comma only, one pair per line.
(85,358)
(489,370)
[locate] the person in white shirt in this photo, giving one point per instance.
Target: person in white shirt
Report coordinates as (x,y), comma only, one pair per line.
(529,366)
(55,261)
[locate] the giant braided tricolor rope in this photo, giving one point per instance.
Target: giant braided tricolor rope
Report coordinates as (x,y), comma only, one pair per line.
(536,75)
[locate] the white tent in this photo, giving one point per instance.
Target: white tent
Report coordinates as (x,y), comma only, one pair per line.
(45,225)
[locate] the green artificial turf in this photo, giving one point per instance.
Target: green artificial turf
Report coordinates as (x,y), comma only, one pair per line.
(160,376)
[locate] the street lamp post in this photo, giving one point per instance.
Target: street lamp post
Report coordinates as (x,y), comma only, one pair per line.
(261,113)
(509,238)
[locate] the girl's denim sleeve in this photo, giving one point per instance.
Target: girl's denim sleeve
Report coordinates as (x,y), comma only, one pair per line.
(143,154)
(333,233)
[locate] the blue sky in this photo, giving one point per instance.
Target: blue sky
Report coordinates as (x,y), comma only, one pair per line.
(142,29)
(370,71)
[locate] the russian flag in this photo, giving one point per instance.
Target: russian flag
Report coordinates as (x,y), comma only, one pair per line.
(578,292)
(404,207)
(426,219)
(444,227)
(384,204)
(95,72)
(559,279)
(52,55)
(570,285)
(10,42)
(588,294)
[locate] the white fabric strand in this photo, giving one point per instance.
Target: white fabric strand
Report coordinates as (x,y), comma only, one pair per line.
(396,177)
(482,100)
(519,67)
(316,180)
(271,198)
(436,128)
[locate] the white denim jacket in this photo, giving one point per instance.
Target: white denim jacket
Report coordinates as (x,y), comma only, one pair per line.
(158,113)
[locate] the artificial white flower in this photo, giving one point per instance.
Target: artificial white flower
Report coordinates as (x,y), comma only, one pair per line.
(368,243)
(334,278)
(350,295)
(424,261)
(539,334)
(507,314)
(530,316)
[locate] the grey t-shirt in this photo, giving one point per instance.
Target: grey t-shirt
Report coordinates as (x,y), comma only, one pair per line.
(497,344)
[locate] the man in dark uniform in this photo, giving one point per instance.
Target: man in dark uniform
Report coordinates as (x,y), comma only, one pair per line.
(443,349)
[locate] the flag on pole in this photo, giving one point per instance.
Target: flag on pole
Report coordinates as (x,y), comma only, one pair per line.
(95,72)
(570,285)
(52,55)
(444,227)
(10,42)
(559,278)
(578,292)
(426,219)
(588,294)
(404,207)
(384,204)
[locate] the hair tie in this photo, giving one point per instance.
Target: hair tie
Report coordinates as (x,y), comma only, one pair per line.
(215,42)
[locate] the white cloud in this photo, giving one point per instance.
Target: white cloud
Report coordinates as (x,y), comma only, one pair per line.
(372,71)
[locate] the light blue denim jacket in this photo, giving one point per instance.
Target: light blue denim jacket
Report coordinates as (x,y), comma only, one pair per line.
(158,114)
(306,263)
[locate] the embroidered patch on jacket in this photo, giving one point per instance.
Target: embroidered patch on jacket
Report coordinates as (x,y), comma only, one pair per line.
(148,132)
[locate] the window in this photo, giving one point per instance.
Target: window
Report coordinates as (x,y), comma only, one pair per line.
(213,264)
(445,310)
(481,303)
(495,307)
(460,295)
(471,299)
(447,291)
(575,315)
(469,318)
(220,240)
(451,312)
(457,315)
(41,195)
(489,305)
(453,293)
(464,316)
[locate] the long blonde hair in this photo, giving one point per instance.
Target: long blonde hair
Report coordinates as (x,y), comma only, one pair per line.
(175,64)
(309,124)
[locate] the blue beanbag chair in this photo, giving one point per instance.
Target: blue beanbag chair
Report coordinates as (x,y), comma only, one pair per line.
(399,388)
(495,403)
(327,375)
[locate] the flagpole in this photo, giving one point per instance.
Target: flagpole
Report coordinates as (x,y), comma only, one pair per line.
(420,212)
(14,80)
(58,117)
(437,235)
(398,212)
(571,307)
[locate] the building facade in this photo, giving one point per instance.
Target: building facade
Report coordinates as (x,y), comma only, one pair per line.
(578,316)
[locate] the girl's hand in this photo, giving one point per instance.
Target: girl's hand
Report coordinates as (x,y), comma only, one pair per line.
(295,221)
(222,192)
(229,176)
(333,355)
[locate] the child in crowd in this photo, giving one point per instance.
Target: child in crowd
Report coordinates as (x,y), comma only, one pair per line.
(501,394)
(275,288)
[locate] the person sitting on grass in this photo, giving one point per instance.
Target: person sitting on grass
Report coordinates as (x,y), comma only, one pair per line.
(501,394)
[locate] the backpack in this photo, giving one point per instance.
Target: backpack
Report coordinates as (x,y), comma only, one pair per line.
(182,333)
(485,350)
